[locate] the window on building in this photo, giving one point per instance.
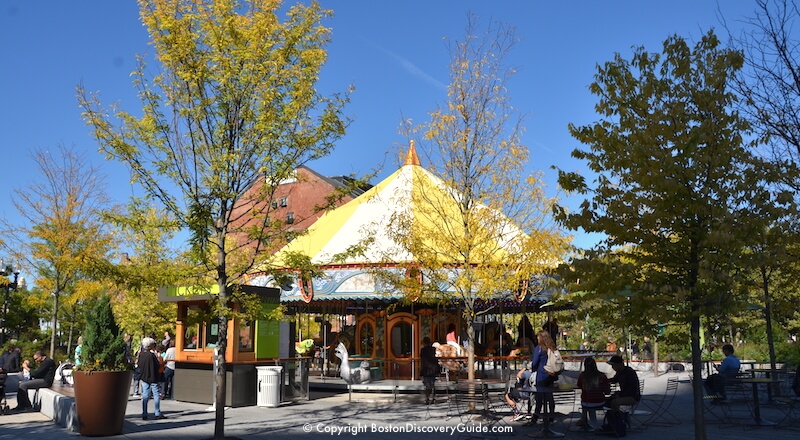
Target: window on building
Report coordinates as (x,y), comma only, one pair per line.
(274,204)
(401,339)
(194,320)
(290,218)
(284,201)
(212,332)
(246,334)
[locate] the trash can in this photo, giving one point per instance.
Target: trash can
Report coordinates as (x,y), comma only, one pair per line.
(269,386)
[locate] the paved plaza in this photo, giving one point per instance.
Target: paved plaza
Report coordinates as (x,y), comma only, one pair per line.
(368,415)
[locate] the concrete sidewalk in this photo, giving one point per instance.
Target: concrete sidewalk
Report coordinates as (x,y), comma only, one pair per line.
(373,416)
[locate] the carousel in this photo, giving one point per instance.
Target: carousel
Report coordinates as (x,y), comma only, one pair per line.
(369,316)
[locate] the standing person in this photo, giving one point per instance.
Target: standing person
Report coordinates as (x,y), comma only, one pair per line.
(611,346)
(167,338)
(628,380)
(726,371)
(429,369)
(128,347)
(543,380)
(635,350)
(148,366)
(551,327)
(647,349)
(525,332)
(160,353)
(169,370)
(594,387)
(78,351)
(11,364)
(42,377)
(137,372)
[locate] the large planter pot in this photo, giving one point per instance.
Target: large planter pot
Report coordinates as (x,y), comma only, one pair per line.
(101,398)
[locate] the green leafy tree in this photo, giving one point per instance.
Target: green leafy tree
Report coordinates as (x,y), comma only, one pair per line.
(674,182)
(487,225)
(234,103)
(150,263)
(63,236)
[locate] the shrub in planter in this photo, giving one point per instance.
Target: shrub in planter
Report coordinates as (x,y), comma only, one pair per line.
(103,347)
(102,381)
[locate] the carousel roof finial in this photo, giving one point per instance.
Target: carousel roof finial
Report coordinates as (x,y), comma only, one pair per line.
(411,156)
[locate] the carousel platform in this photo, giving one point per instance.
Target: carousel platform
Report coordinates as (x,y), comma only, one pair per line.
(393,386)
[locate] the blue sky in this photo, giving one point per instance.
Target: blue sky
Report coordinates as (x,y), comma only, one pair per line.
(394,53)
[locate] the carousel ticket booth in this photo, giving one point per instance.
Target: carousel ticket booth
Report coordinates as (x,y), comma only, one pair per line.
(250,344)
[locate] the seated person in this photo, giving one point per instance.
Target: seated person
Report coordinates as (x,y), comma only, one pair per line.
(452,339)
(42,377)
(506,347)
(594,387)
(628,380)
(519,392)
(524,348)
(726,371)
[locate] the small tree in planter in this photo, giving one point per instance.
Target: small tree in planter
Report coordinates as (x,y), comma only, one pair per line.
(103,347)
(102,381)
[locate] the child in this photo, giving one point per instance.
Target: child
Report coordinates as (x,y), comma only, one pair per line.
(26,370)
(520,392)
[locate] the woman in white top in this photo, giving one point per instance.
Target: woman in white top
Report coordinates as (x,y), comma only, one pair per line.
(169,369)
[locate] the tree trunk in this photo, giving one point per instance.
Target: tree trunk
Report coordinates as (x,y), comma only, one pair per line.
(471,347)
(219,395)
(222,343)
(697,376)
(770,334)
(69,339)
(54,325)
(655,357)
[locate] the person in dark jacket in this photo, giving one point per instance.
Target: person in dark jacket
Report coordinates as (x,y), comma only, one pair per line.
(429,370)
(42,377)
(149,377)
(11,363)
(628,380)
(3,360)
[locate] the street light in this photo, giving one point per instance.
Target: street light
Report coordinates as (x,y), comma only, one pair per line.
(7,270)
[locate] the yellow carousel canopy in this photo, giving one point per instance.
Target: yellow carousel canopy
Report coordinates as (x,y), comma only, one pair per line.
(369,217)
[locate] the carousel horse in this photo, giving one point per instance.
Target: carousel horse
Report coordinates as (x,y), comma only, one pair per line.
(445,351)
(351,375)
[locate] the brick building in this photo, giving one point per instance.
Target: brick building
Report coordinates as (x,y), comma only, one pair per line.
(293,205)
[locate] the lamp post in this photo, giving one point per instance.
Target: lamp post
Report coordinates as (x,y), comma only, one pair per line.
(7,270)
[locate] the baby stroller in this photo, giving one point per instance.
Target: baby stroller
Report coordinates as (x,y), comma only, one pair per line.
(4,409)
